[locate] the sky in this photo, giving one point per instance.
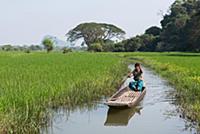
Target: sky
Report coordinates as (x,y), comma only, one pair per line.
(28,21)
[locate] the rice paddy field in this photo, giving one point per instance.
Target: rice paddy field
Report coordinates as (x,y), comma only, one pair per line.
(31,84)
(182,70)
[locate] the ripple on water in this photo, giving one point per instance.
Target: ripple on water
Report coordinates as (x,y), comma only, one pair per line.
(155,114)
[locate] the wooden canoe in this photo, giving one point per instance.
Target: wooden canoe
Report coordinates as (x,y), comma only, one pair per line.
(125,98)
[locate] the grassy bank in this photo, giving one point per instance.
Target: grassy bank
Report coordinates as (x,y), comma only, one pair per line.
(183,71)
(33,83)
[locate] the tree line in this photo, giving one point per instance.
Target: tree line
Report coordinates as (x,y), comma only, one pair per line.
(25,48)
(179,31)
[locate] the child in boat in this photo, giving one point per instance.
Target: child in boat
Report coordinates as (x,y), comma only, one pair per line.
(137,83)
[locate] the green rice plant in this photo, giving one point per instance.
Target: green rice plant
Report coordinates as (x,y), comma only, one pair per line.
(181,70)
(31,84)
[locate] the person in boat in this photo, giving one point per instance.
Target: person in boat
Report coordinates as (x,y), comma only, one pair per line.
(137,84)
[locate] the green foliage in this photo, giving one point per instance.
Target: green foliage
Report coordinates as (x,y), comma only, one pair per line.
(108,45)
(119,47)
(66,50)
(35,47)
(180,31)
(32,84)
(128,45)
(93,32)
(182,70)
(48,44)
(132,45)
(192,33)
(154,30)
(175,33)
(20,48)
(7,47)
(96,47)
(148,42)
(145,42)
(27,51)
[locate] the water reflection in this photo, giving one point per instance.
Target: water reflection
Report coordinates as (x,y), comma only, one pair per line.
(158,111)
(120,117)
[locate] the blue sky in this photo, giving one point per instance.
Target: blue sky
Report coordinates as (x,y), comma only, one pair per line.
(28,21)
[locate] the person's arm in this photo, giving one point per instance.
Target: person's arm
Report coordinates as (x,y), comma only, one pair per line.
(130,74)
(141,77)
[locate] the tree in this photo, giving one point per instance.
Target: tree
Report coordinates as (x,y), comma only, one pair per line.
(148,42)
(174,23)
(133,44)
(108,45)
(180,31)
(94,32)
(119,47)
(192,34)
(96,47)
(7,47)
(35,47)
(154,30)
(66,50)
(48,44)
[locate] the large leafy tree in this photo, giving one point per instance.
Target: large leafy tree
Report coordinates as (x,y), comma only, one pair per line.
(192,34)
(174,25)
(95,32)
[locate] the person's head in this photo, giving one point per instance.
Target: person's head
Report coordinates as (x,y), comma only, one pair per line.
(138,67)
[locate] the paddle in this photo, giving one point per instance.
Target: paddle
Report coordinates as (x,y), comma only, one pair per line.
(125,78)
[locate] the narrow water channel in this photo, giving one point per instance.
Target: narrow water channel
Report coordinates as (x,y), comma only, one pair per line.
(156,114)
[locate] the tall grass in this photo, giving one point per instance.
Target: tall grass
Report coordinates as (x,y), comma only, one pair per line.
(30,84)
(183,71)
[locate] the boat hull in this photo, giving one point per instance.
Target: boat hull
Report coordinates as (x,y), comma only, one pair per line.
(125,98)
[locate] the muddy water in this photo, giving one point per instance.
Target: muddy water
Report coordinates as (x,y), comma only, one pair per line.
(156,114)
